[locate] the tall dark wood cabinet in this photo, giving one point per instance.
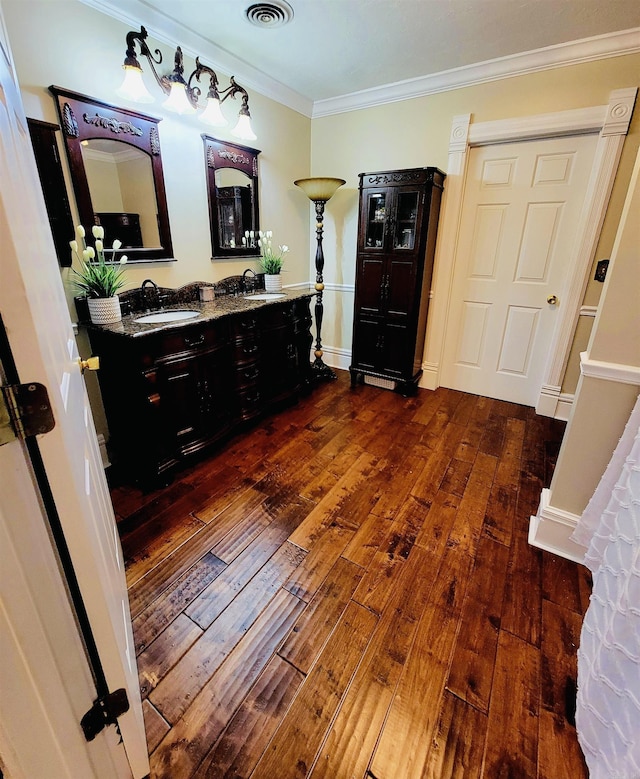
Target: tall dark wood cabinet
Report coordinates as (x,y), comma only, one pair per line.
(398,223)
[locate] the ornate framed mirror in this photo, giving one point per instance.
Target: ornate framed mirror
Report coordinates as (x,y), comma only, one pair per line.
(116,172)
(232,185)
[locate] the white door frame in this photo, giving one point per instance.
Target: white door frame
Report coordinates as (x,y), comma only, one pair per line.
(612,123)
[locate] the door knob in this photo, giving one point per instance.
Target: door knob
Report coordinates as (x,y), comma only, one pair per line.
(92,364)
(552,300)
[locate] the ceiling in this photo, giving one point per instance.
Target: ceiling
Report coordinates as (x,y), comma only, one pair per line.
(333,48)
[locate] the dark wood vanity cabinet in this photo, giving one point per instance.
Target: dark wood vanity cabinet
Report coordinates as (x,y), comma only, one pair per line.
(194,399)
(173,392)
(398,222)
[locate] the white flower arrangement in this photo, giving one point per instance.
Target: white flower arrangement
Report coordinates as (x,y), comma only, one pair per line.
(96,277)
(270,261)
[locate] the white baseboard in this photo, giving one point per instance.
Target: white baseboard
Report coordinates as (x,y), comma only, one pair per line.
(551,528)
(429,379)
(103,451)
(547,404)
(565,404)
(335,357)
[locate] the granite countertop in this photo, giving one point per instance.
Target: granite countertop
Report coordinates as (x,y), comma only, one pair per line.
(224,305)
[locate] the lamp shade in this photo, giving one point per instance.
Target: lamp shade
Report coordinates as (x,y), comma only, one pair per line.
(212,114)
(133,87)
(178,102)
(243,129)
(319,188)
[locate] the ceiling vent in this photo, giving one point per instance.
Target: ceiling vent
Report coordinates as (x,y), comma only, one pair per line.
(270,15)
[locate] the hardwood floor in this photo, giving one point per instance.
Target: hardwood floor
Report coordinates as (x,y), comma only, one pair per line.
(346,591)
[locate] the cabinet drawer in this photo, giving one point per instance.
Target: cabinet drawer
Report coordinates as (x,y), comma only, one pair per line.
(189,339)
(245,351)
(250,403)
(277,316)
(245,326)
(247,376)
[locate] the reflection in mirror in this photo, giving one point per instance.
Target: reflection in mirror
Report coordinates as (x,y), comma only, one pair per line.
(232,177)
(116,171)
(123,197)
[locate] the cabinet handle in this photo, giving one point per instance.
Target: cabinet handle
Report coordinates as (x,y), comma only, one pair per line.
(249,324)
(194,341)
(250,349)
(253,398)
(252,374)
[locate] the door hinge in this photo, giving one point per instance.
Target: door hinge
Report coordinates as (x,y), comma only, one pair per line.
(105,711)
(25,411)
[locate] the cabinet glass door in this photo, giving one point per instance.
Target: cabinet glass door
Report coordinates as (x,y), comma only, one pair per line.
(375,214)
(404,225)
(227,219)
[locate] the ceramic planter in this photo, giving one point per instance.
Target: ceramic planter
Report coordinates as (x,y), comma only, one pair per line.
(273,282)
(104,311)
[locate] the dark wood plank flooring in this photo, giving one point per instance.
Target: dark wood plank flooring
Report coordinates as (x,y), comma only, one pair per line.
(346,591)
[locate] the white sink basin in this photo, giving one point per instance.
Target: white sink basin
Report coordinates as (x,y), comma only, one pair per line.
(266,296)
(165,316)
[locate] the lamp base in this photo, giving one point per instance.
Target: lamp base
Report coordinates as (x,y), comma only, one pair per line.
(322,372)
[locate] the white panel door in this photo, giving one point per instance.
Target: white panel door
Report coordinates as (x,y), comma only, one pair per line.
(522,204)
(36,317)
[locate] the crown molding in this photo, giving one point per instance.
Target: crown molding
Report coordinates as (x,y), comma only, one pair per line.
(614,44)
(161,28)
(165,30)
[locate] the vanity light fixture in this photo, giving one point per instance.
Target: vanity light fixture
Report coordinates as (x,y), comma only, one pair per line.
(182,95)
(319,190)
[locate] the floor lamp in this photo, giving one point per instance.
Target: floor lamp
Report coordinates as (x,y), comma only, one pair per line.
(319,190)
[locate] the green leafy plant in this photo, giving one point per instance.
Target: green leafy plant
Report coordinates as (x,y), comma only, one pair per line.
(270,261)
(96,277)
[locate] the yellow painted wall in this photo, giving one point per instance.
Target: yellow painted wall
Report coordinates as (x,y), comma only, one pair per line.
(415,133)
(71,45)
(67,43)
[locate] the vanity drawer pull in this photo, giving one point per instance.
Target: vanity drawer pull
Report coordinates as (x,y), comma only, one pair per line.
(251,373)
(248,324)
(250,349)
(195,341)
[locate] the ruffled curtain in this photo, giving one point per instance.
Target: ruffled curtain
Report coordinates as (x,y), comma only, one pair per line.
(608,705)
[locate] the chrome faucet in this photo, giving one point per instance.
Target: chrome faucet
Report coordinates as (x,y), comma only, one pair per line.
(244,278)
(143,293)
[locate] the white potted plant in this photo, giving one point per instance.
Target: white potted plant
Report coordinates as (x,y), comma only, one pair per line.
(95,277)
(271,261)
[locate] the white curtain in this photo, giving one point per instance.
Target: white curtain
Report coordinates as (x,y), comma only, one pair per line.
(608,706)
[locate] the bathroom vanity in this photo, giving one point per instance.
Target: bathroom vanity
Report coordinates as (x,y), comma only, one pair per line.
(172,388)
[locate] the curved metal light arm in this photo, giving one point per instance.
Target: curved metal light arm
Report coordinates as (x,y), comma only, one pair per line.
(213,81)
(165,82)
(131,61)
(232,90)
